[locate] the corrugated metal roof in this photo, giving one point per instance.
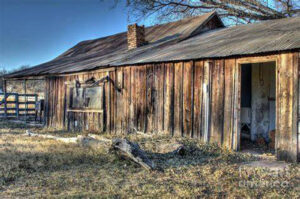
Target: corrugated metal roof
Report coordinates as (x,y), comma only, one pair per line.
(153,34)
(267,36)
(86,54)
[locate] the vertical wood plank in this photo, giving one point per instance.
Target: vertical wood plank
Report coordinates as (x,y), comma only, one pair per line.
(178,119)
(52,115)
(50,96)
(137,108)
(149,99)
(298,122)
(286,135)
(228,102)
(187,98)
(294,147)
(108,104)
(119,100)
(157,96)
(284,115)
(137,96)
(155,102)
(164,97)
(169,98)
(236,107)
(112,101)
(206,101)
(198,95)
(142,98)
(287,138)
(217,107)
(66,105)
(127,98)
(133,119)
(61,102)
(56,123)
(278,103)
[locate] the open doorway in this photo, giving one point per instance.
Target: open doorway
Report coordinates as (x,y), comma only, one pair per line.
(258,106)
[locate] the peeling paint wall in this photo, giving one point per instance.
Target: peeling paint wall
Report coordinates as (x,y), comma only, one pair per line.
(263,99)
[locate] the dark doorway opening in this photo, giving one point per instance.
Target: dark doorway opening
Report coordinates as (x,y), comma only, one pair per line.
(258,111)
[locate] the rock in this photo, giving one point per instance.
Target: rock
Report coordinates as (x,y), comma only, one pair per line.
(127,149)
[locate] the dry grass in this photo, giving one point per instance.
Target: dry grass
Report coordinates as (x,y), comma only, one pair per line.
(34,167)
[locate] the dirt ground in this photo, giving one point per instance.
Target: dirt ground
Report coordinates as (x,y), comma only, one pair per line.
(32,167)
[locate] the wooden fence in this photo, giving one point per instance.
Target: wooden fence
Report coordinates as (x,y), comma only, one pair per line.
(15,105)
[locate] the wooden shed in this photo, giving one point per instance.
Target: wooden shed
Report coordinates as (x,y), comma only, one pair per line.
(193,78)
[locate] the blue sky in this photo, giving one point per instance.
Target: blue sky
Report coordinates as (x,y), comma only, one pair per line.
(36,31)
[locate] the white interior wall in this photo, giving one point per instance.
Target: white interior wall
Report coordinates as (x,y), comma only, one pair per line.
(262,102)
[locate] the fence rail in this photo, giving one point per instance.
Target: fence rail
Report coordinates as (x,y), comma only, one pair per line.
(18,105)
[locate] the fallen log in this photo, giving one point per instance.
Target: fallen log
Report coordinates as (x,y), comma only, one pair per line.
(81,140)
(66,140)
(125,148)
(99,138)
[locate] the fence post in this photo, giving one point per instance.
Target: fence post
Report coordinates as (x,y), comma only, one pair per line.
(5,99)
(17,105)
(35,106)
(26,105)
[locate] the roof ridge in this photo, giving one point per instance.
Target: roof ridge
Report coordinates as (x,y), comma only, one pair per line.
(184,19)
(220,43)
(198,21)
(156,25)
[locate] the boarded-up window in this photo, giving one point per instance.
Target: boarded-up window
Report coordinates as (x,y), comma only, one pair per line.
(86,98)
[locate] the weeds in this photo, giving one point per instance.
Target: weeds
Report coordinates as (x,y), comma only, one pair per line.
(32,167)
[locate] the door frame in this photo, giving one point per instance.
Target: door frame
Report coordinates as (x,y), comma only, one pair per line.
(237,94)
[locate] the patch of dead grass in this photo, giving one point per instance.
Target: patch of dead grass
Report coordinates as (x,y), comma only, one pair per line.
(33,167)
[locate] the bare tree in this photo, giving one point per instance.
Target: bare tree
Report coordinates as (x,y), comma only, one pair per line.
(238,11)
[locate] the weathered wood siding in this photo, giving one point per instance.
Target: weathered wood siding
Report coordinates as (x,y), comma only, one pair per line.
(287,103)
(58,95)
(199,99)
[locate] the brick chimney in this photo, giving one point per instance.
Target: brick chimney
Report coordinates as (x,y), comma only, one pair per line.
(135,36)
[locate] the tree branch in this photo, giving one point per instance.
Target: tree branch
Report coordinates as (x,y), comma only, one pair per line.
(246,10)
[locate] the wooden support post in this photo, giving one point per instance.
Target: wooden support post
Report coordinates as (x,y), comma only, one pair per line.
(17,105)
(5,97)
(298,108)
(206,101)
(35,106)
(26,105)
(206,112)
(236,108)
(46,104)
